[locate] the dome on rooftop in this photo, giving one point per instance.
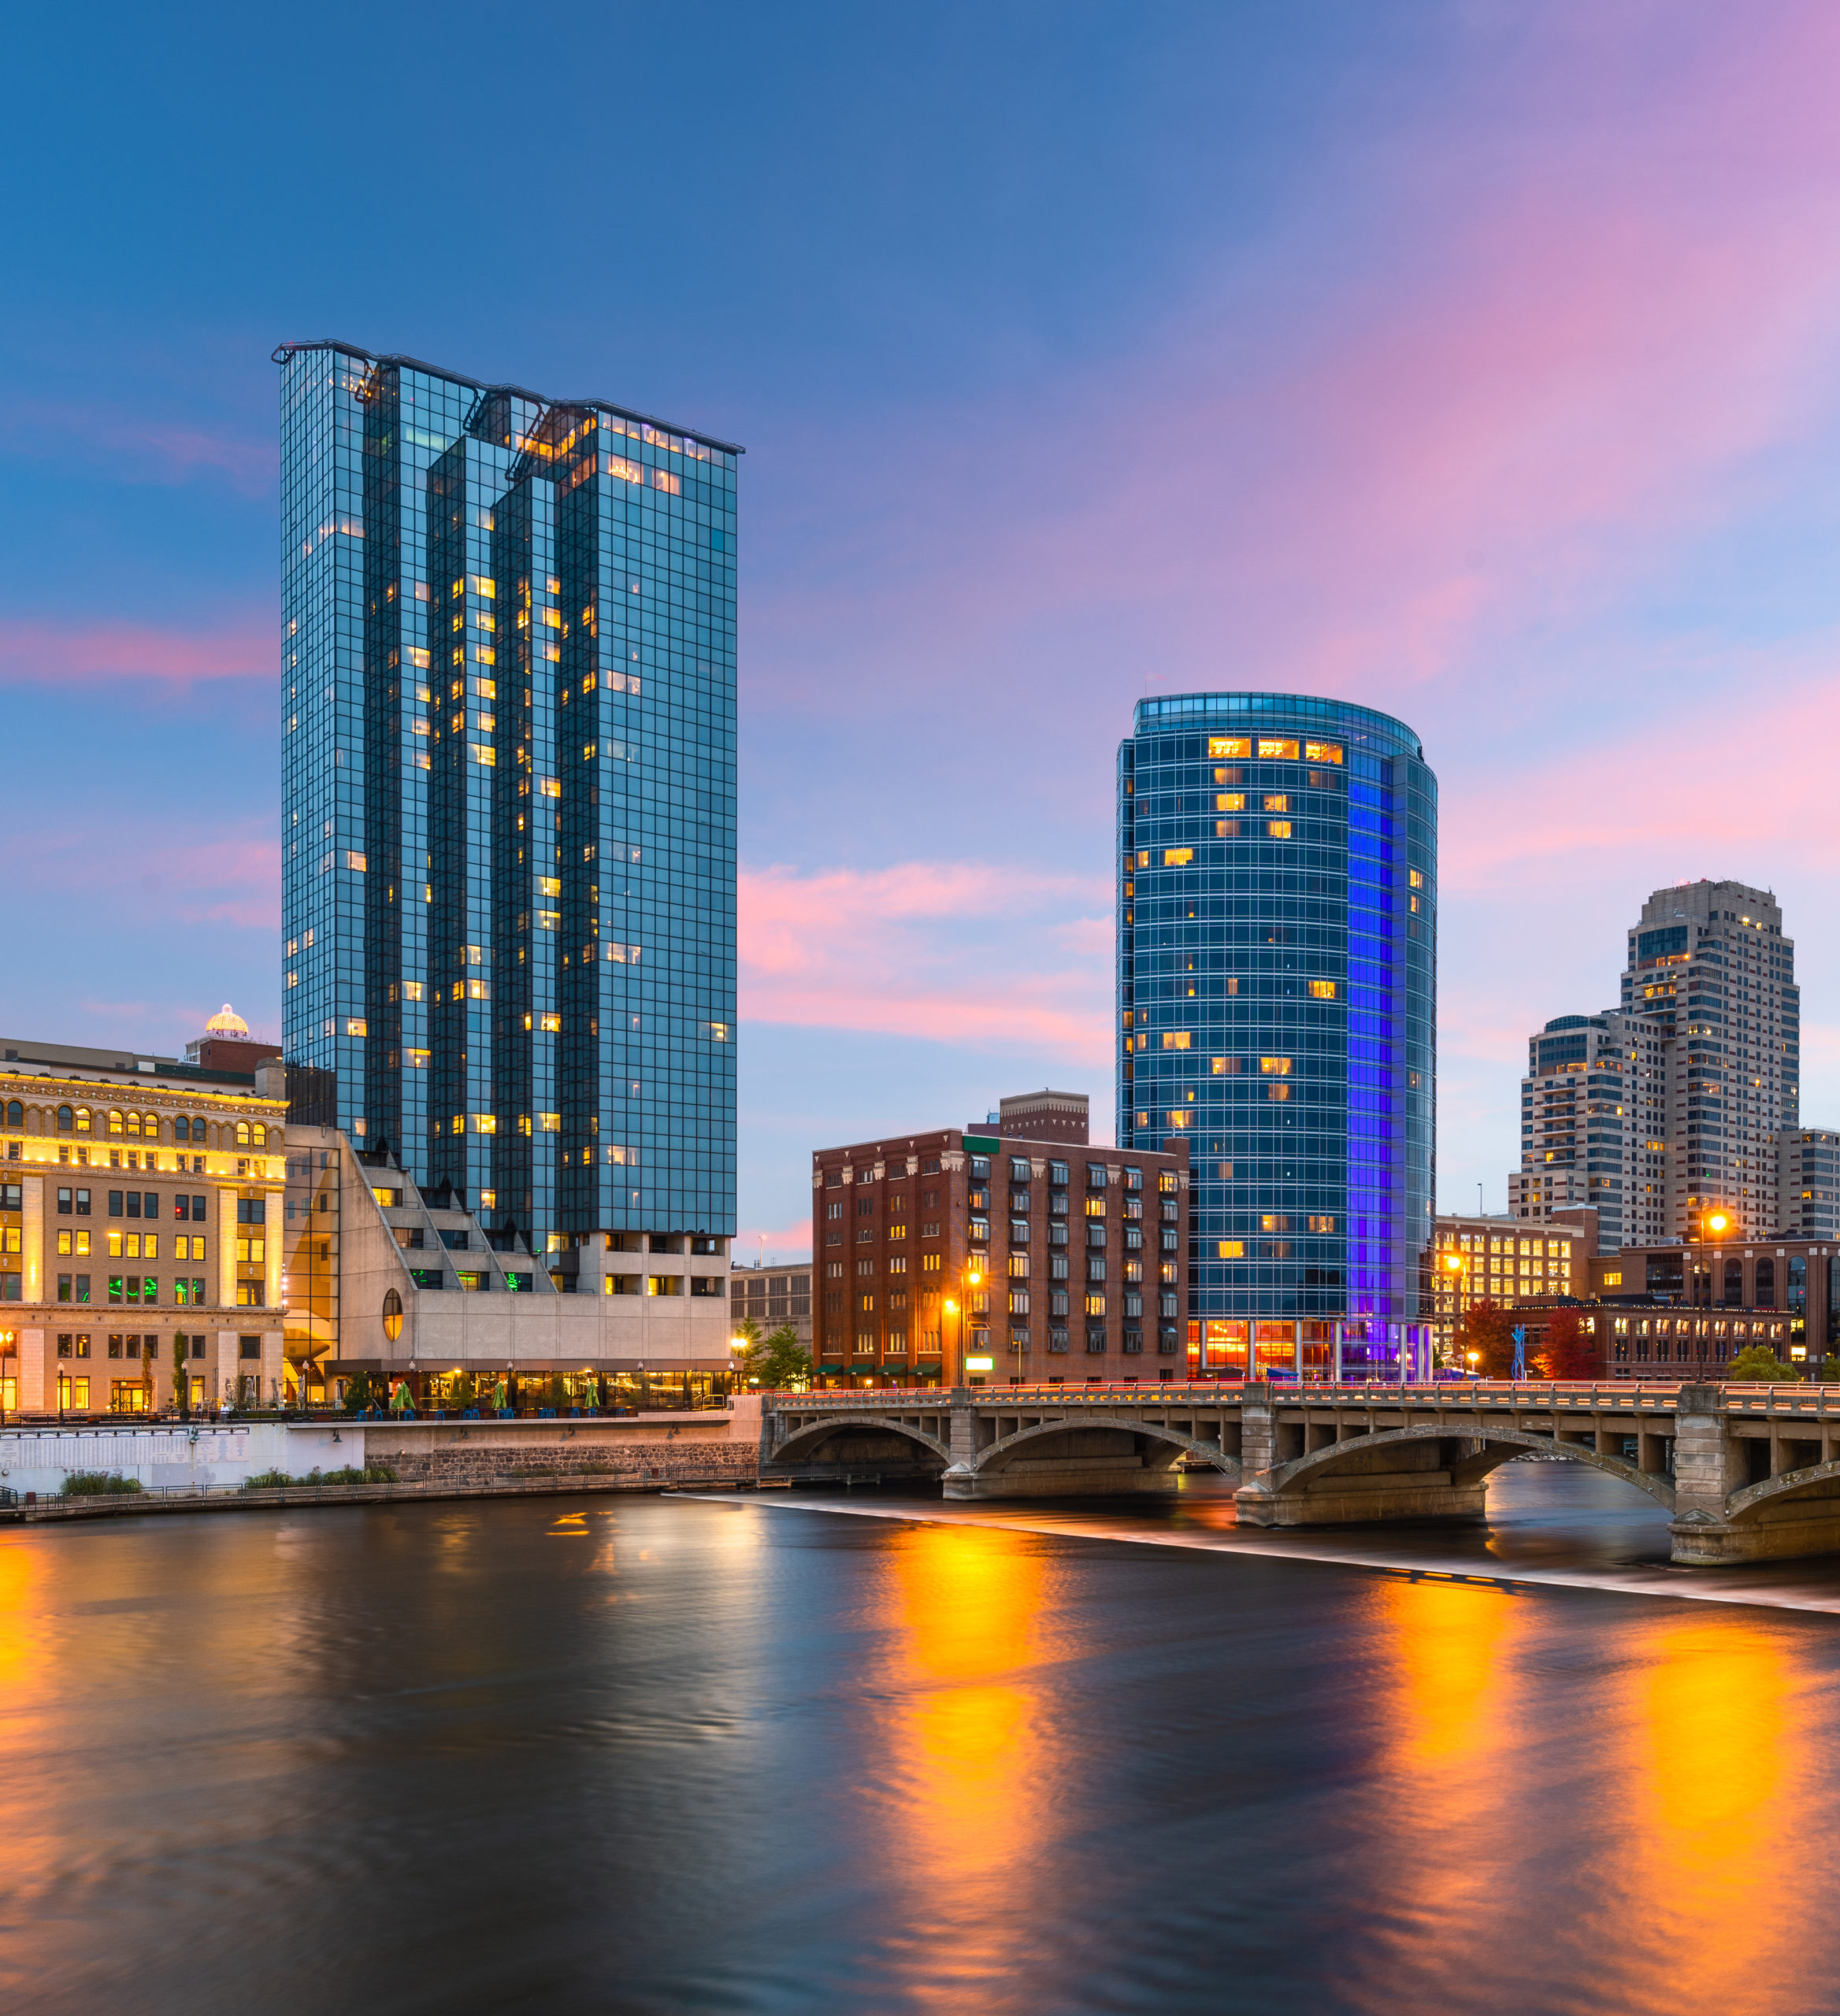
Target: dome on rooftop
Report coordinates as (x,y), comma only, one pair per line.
(226,1022)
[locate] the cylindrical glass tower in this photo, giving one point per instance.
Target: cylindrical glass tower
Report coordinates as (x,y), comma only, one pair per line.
(1277,972)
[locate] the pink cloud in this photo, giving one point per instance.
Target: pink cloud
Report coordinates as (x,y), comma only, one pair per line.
(204,877)
(1500,402)
(779,1244)
(41,654)
(951,951)
(137,449)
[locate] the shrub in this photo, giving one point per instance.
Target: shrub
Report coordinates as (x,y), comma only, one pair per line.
(281,1480)
(1758,1362)
(98,1484)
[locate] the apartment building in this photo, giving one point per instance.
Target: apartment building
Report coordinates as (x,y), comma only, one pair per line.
(1808,1183)
(1591,1110)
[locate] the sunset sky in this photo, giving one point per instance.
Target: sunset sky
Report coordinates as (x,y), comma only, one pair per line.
(1479,362)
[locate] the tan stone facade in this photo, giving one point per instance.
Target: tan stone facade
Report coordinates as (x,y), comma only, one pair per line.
(139,1204)
(1505,1261)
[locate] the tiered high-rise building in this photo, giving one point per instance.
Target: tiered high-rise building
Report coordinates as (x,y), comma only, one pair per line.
(1684,1100)
(1711,978)
(509,801)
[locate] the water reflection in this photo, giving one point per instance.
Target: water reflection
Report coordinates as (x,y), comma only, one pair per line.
(968,1809)
(1453,1690)
(1444,1794)
(1716,1778)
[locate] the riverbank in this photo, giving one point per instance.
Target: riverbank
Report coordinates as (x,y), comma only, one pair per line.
(116,1504)
(178,1466)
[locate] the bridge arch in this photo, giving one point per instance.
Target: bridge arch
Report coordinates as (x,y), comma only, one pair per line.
(1493,1447)
(805,1442)
(998,1455)
(1816,1480)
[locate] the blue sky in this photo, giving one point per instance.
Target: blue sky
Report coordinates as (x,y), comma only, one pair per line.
(1472,362)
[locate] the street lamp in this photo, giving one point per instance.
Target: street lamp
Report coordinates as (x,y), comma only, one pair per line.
(970,1277)
(1455,1264)
(1475,1359)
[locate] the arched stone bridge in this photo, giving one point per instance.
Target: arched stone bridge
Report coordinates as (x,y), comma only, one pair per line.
(1748,1473)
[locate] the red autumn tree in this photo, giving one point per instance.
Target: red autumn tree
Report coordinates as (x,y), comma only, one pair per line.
(1488,1330)
(1569,1351)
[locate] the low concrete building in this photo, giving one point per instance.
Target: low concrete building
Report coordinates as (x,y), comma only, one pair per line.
(773,1296)
(390,1280)
(140,1216)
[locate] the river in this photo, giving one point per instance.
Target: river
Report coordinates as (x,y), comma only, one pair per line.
(669,1755)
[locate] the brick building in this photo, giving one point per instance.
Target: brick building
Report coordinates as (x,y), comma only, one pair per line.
(1639,1338)
(1796,1280)
(967,1256)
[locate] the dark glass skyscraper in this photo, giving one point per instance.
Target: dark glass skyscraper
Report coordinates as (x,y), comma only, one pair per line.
(1277,935)
(508,703)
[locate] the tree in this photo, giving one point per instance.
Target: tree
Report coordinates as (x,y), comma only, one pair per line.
(778,1360)
(1758,1362)
(1487,1330)
(359,1393)
(181,1383)
(1569,1351)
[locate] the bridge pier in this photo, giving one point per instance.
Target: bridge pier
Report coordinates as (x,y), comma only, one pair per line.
(1082,1463)
(1406,1480)
(1713,1480)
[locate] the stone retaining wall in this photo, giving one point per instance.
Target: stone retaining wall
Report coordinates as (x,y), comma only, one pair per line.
(654,1459)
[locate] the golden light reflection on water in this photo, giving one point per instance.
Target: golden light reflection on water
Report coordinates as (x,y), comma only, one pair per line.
(1450,1644)
(1452,1707)
(1686,1732)
(1720,1832)
(16,1596)
(969,1805)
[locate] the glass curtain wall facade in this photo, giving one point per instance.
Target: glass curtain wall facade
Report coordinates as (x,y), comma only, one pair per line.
(1277,996)
(508,682)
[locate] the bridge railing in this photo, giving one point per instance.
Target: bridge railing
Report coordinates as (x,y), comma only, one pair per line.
(1606,1396)
(1444,1395)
